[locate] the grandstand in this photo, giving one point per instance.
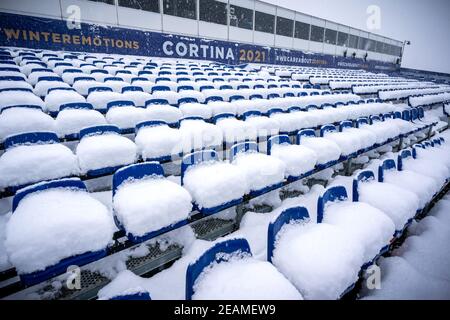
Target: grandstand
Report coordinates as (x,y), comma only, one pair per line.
(166,176)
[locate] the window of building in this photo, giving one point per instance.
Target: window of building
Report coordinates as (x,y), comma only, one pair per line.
(352,41)
(264,22)
(330,36)
(371,45)
(146,5)
(181,8)
(241,17)
(301,30)
(285,27)
(317,33)
(342,39)
(363,43)
(213,11)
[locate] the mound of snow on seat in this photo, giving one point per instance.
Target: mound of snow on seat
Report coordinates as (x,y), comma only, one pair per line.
(20,120)
(320,260)
(150,204)
(298,159)
(260,170)
(23,164)
(106,150)
(243,279)
(51,225)
(215,183)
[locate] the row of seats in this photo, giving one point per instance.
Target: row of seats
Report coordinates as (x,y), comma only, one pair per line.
(145,204)
(349,235)
(75,113)
(344,236)
(33,157)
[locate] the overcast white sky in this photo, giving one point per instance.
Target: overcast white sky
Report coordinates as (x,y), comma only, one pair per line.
(426,23)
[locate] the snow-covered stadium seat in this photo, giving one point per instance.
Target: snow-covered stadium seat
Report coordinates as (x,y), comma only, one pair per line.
(397,203)
(100,96)
(327,151)
(365,224)
(72,117)
(59,96)
(156,141)
(147,204)
(424,187)
(190,107)
(431,168)
(55,225)
(46,83)
(198,134)
(135,94)
(299,160)
(319,259)
(349,142)
(227,270)
(213,184)
(35,156)
(164,92)
(102,150)
(15,97)
(262,172)
(25,118)
(126,286)
(234,130)
(160,109)
(265,126)
(125,115)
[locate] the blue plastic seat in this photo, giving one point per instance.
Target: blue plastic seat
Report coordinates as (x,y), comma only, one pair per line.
(216,254)
(61,266)
(136,172)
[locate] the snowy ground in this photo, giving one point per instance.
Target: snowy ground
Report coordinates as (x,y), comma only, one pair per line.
(420,268)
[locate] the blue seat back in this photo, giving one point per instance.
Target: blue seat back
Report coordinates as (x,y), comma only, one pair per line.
(136,172)
(222,116)
(387,164)
(255,96)
(363,176)
(132,89)
(294,109)
(280,139)
(196,158)
(361,121)
(30,138)
(99,89)
(327,128)
(311,107)
(150,123)
(337,193)
(274,111)
(72,183)
(215,254)
(242,148)
(286,217)
(185,88)
(160,88)
(236,98)
(187,100)
(374,119)
(405,154)
(119,103)
(144,296)
(213,98)
(406,115)
(251,113)
(345,124)
(76,105)
(152,102)
(305,133)
(98,130)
